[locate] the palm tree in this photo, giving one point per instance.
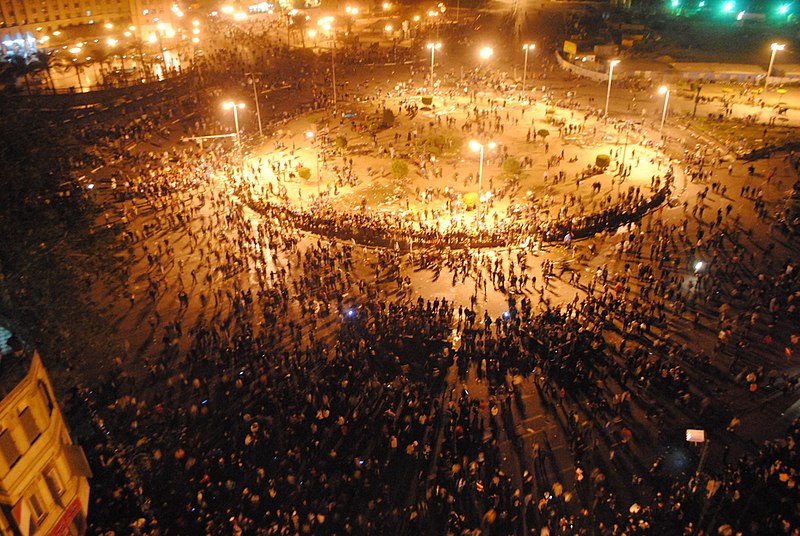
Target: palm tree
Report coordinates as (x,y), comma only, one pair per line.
(65,63)
(43,62)
(19,67)
(137,45)
(103,57)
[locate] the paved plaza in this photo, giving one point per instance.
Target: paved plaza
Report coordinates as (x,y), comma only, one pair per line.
(497,312)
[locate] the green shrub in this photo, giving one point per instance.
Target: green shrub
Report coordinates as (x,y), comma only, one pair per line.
(304,173)
(602,161)
(387,119)
(440,144)
(399,168)
(512,166)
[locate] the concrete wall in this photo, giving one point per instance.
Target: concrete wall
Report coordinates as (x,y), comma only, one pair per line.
(582,71)
(668,75)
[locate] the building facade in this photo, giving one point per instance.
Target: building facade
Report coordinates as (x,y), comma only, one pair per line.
(44,488)
(25,16)
(24,23)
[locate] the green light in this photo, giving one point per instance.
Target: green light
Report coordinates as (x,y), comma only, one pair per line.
(675,3)
(728,7)
(701,4)
(784,9)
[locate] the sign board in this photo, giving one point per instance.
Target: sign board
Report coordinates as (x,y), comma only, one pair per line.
(695,436)
(570,47)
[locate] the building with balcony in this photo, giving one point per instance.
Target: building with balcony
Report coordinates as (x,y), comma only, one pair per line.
(44,488)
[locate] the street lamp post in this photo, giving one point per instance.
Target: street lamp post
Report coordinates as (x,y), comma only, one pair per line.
(526,47)
(775,48)
(253,80)
(433,47)
(479,148)
(112,43)
(155,38)
(75,51)
(310,137)
(235,106)
(485,53)
(333,68)
(624,152)
(663,90)
(611,65)
(327,25)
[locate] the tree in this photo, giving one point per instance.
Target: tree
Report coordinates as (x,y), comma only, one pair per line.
(340,142)
(49,247)
(65,63)
(399,168)
(19,67)
(444,142)
(387,118)
(602,161)
(304,173)
(137,45)
(427,101)
(512,166)
(43,62)
(103,57)
(543,133)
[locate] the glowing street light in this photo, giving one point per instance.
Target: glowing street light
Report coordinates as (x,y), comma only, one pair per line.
(663,90)
(775,48)
(526,47)
(479,147)
(235,106)
(433,47)
(611,65)
(486,53)
(310,137)
(327,25)
(77,49)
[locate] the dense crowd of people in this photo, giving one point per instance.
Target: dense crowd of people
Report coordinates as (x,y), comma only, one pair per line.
(292,382)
